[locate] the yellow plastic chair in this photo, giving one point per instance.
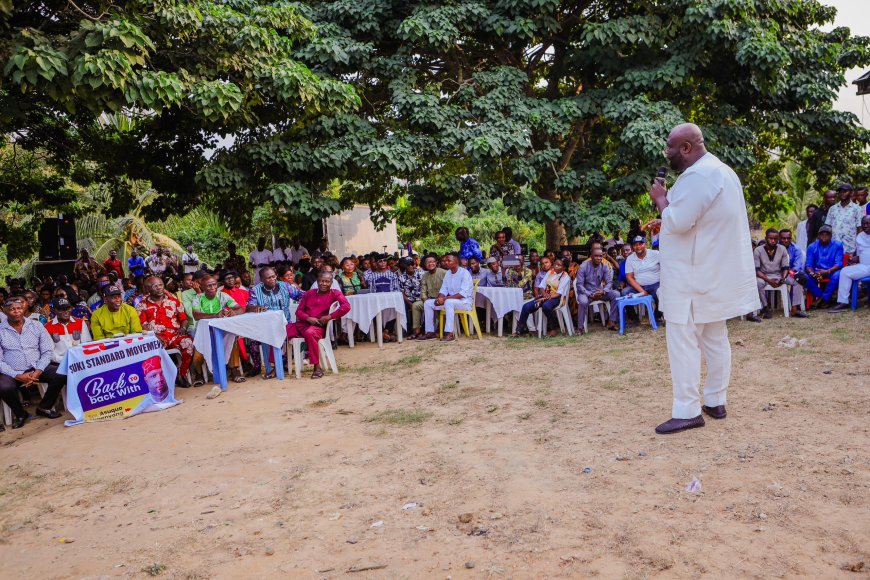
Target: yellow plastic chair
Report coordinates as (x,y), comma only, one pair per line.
(464,316)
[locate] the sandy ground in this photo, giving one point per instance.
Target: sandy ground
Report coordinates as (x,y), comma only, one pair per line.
(491,441)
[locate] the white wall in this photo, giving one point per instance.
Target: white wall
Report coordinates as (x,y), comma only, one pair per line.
(352,232)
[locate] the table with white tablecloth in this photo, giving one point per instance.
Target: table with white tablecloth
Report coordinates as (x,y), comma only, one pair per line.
(380,306)
(500,300)
(268,328)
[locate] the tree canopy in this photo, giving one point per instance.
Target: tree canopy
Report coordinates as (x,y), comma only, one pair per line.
(556,105)
(179,75)
(557,108)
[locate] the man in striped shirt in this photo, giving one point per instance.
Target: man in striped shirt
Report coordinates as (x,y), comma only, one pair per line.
(25,360)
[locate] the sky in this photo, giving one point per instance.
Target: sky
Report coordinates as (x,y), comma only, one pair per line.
(856,15)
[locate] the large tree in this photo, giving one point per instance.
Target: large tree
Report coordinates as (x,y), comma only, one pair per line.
(556,105)
(101,92)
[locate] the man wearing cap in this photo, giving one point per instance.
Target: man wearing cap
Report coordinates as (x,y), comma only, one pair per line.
(643,272)
(594,281)
(845,220)
(25,360)
(824,260)
(410,284)
(707,274)
(380,278)
(114,317)
(455,294)
(66,330)
(492,277)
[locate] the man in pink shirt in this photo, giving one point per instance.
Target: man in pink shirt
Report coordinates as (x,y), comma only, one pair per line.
(313,315)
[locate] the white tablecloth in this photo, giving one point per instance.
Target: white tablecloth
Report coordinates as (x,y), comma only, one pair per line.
(266,327)
(364,307)
(503,300)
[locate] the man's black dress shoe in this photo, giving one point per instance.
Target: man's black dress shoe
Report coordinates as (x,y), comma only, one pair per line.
(717,412)
(677,425)
(18,422)
(47,413)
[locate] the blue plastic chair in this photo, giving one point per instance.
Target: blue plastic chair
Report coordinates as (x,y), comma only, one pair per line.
(632,300)
(855,286)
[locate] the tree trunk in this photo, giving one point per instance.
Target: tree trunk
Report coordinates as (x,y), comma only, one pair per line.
(555,235)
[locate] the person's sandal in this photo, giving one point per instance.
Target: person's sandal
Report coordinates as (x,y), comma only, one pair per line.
(270,375)
(214,392)
(317,374)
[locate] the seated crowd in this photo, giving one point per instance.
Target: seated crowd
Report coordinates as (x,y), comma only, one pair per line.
(168,295)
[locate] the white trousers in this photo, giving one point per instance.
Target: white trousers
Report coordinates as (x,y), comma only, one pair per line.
(686,343)
(450,306)
(848,275)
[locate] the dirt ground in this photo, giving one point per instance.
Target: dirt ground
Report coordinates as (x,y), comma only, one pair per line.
(525,458)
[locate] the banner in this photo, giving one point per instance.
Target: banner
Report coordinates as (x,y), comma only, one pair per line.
(118,378)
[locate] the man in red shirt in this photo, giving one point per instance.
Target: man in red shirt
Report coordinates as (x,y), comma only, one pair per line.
(163,313)
(113,264)
(313,314)
(66,330)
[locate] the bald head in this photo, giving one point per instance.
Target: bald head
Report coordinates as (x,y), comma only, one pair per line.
(685,146)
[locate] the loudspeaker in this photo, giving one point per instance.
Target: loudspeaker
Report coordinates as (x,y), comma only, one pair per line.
(54,268)
(49,246)
(66,232)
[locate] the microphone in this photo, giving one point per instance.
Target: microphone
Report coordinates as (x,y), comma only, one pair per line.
(660,177)
(660,174)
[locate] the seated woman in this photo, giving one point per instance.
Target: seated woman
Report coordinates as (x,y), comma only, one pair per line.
(349,279)
(555,285)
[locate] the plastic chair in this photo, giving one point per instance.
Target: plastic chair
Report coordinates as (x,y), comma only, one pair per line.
(783,290)
(592,308)
(631,300)
(324,345)
(563,315)
(464,316)
(856,285)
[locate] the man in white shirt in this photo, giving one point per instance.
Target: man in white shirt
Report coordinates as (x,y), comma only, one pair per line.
(260,258)
(456,294)
(858,268)
(643,272)
(800,232)
(189,260)
(281,253)
(707,274)
(297,251)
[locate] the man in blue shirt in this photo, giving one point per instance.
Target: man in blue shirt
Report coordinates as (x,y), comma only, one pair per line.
(136,264)
(468,246)
(824,260)
(795,256)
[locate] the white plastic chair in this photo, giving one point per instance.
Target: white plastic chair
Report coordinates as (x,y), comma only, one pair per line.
(593,307)
(563,315)
(784,291)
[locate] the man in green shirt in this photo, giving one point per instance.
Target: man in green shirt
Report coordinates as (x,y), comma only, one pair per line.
(214,304)
(114,317)
(190,290)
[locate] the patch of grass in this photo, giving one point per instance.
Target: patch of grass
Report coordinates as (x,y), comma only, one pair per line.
(449,386)
(525,416)
(366,369)
(399,417)
(455,421)
(154,569)
(321,403)
(409,361)
(541,403)
(840,334)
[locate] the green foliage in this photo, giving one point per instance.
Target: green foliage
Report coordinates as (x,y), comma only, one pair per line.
(547,103)
(187,74)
